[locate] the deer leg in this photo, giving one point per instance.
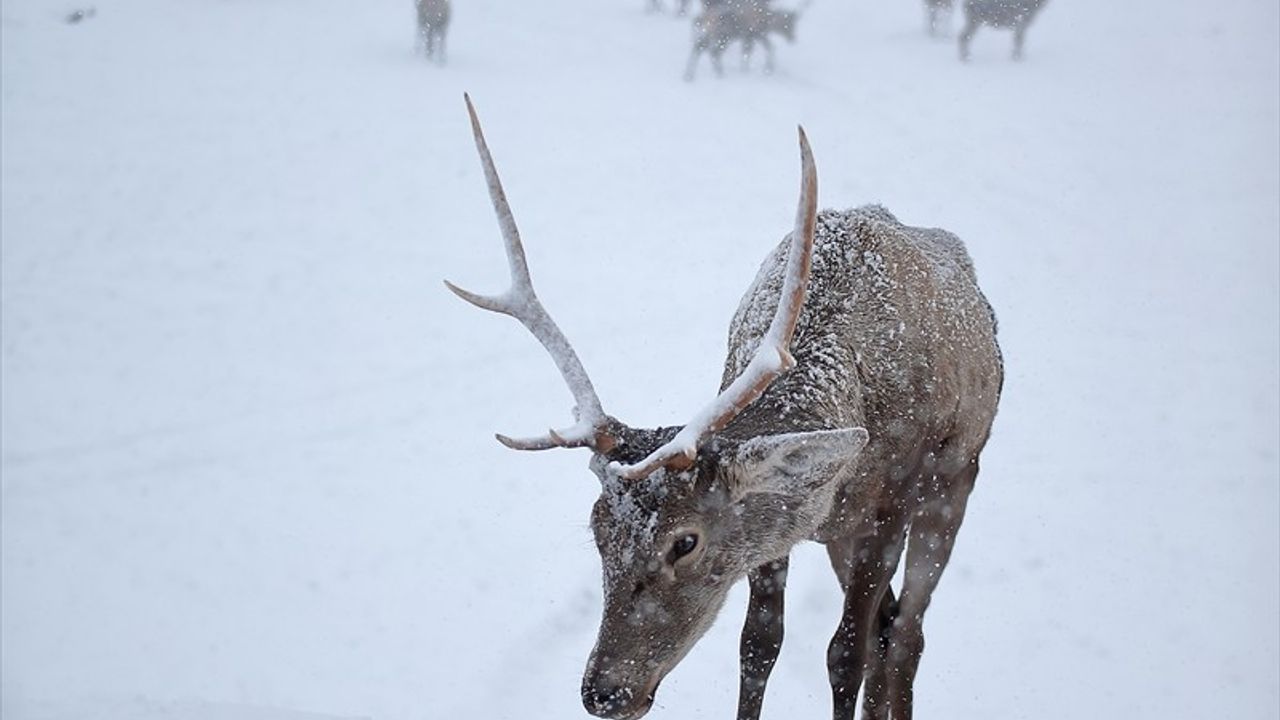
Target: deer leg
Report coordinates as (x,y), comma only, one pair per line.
(692,65)
(933,535)
(748,45)
(865,566)
(1019,33)
(441,50)
(970,27)
(875,701)
(768,55)
(761,635)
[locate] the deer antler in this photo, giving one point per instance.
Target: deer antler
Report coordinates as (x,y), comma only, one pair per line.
(772,356)
(521,303)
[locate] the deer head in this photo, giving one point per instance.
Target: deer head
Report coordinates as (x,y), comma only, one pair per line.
(684,512)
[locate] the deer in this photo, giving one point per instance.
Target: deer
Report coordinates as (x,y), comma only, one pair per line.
(1003,14)
(749,21)
(936,12)
(859,388)
(655,6)
(682,6)
(433,25)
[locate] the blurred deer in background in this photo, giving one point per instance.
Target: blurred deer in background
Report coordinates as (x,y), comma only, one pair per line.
(682,6)
(1004,14)
(937,14)
(860,386)
(433,24)
(747,21)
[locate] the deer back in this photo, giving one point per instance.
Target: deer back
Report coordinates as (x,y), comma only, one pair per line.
(894,336)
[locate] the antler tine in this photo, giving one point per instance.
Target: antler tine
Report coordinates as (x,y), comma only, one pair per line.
(521,302)
(772,356)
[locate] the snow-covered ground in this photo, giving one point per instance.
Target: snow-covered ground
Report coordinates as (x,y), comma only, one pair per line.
(248,466)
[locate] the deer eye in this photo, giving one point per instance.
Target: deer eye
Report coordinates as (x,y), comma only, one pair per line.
(683,545)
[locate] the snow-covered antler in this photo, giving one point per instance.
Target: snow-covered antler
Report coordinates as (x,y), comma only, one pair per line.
(772,357)
(521,303)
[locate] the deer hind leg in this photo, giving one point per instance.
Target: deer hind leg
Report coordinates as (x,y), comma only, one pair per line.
(865,566)
(932,536)
(761,635)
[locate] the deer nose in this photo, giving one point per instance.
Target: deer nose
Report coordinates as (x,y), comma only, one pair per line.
(603,699)
(606,695)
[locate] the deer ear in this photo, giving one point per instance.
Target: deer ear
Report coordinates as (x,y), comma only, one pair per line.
(795,462)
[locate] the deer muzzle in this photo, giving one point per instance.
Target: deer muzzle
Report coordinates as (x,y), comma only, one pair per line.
(603,697)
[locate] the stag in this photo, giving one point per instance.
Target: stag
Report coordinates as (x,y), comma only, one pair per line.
(1013,15)
(860,386)
(746,21)
(433,24)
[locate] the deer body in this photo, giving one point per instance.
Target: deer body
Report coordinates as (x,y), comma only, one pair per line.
(747,21)
(896,338)
(859,388)
(1013,15)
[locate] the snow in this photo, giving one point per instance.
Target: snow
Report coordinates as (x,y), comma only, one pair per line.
(248,466)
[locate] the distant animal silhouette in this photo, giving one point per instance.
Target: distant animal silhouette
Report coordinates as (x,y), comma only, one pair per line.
(936,12)
(682,6)
(746,21)
(80,14)
(433,24)
(1004,14)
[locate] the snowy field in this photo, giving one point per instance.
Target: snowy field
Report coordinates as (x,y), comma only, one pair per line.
(248,464)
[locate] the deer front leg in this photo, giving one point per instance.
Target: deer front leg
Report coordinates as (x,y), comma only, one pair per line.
(1019,33)
(933,535)
(768,55)
(716,52)
(875,696)
(970,27)
(865,565)
(692,66)
(761,635)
